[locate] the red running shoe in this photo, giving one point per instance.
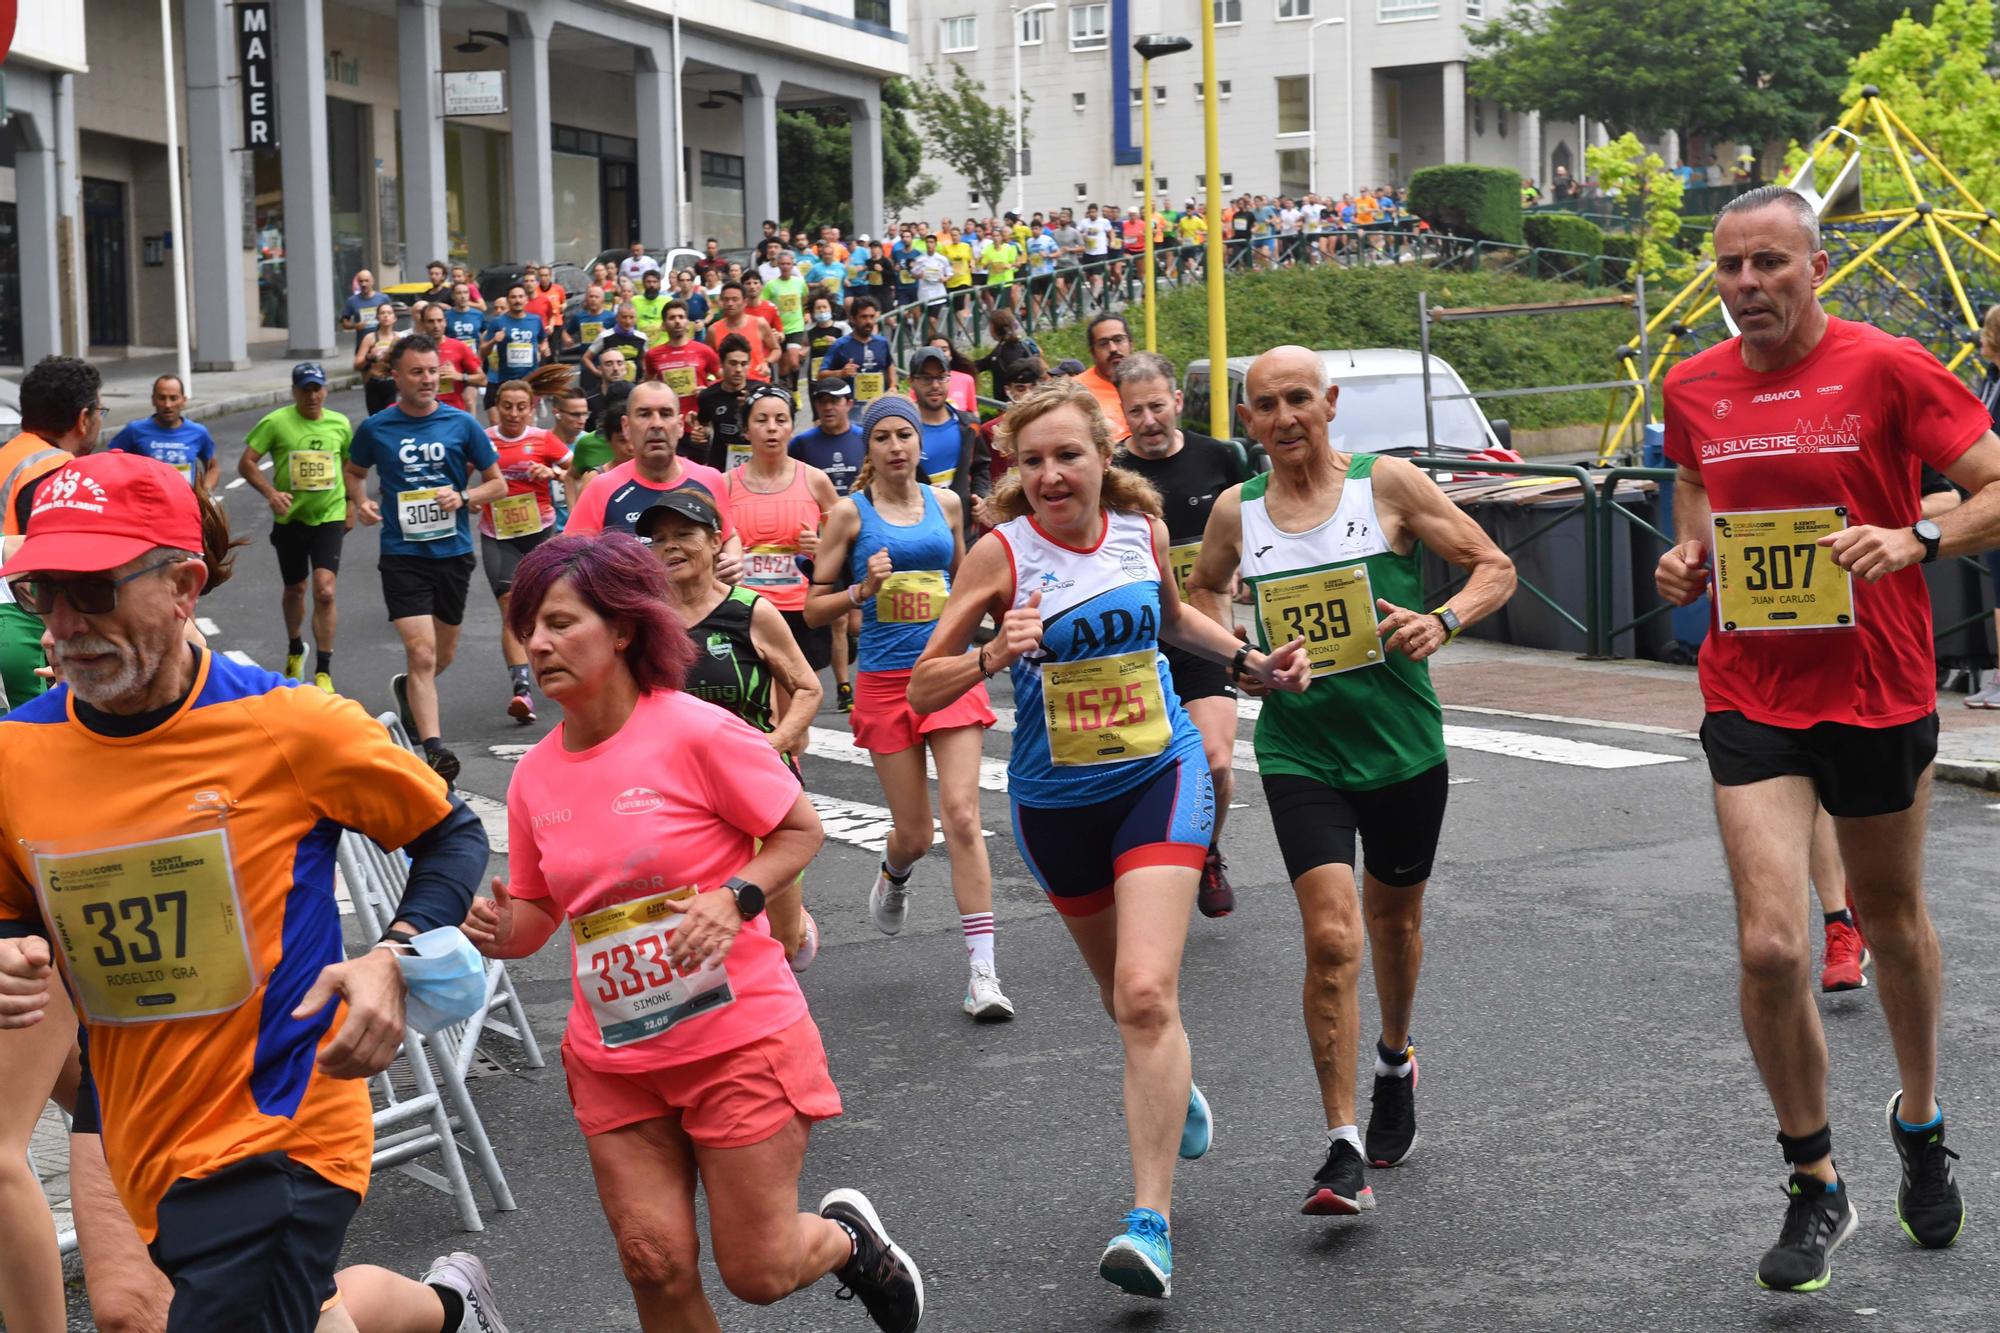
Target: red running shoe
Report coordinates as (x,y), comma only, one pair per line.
(1215,897)
(1846,954)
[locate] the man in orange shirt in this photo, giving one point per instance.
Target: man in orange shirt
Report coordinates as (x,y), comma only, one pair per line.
(1110,339)
(762,337)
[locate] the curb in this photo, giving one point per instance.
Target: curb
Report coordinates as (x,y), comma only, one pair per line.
(1971,772)
(263,398)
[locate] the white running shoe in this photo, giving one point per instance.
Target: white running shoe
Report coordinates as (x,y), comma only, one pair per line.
(808,947)
(1988,697)
(983,999)
(466,1274)
(888,901)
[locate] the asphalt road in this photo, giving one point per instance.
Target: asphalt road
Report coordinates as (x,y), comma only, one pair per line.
(1596,1152)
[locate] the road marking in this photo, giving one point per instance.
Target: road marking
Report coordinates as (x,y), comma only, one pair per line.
(511,753)
(492,814)
(1643,728)
(209,629)
(234,484)
(241,658)
(862,825)
(832,743)
(1527,745)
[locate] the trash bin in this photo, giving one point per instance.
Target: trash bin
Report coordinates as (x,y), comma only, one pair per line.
(1688,625)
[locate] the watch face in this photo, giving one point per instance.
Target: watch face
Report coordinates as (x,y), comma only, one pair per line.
(1929,531)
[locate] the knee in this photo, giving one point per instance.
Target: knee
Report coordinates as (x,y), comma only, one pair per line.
(755,1281)
(323,595)
(1333,950)
(653,1260)
(1772,956)
(423,658)
(1394,930)
(1144,1003)
(961,818)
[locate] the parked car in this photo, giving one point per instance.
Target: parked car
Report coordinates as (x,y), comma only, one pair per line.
(678,256)
(1381,406)
(10,409)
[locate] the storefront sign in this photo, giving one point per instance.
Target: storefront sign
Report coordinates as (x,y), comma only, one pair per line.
(475,92)
(253,67)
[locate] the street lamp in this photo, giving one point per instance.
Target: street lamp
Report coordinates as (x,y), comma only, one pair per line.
(1020,178)
(1312,103)
(1156,44)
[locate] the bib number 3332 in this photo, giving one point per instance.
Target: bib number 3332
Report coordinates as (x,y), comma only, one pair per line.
(623,973)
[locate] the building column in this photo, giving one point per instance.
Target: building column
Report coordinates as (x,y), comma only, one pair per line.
(1454,148)
(869,173)
(215,178)
(69,220)
(533,147)
(1529,127)
(760,151)
(419,59)
(302,144)
(35,189)
(659,171)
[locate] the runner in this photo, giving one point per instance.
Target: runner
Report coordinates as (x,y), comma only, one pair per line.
(637,264)
(953,455)
(1110,340)
(650,307)
(1188,470)
(863,355)
(683,362)
(822,333)
(371,359)
(891,548)
(518,341)
(595,451)
(838,449)
(1328,541)
(1111,800)
(624,338)
(359,308)
(183,445)
(530,460)
(1836,709)
(754,303)
(464,321)
(428,456)
(459,367)
(1096,251)
(235,1121)
(745,660)
(718,438)
(932,272)
(307,444)
(790,292)
(587,325)
(735,322)
(958,286)
(614,501)
(778,504)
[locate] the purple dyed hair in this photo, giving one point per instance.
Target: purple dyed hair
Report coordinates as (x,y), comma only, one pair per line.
(618,578)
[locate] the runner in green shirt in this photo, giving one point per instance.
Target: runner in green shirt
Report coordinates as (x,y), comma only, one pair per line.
(307,445)
(787,291)
(651,309)
(1002,258)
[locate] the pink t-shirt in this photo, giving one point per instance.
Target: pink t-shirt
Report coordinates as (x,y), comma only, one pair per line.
(677,797)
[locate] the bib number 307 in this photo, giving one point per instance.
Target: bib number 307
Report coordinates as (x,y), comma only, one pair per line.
(1771,573)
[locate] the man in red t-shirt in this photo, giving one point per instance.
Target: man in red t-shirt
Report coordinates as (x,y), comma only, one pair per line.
(683,362)
(1799,444)
(754,302)
(762,337)
(542,303)
(615,498)
(459,367)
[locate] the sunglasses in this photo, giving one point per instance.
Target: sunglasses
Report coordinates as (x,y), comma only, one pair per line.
(92,595)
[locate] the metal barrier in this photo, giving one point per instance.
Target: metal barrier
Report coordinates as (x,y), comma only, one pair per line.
(1609,510)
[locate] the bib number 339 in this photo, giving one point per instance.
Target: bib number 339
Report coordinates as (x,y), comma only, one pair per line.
(1105,710)
(1771,573)
(623,973)
(1333,610)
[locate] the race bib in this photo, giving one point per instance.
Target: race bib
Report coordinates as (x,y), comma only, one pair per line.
(911,597)
(312,470)
(520,356)
(422,518)
(771,567)
(517,516)
(1772,573)
(867,387)
(630,374)
(633,992)
(186,470)
(739,454)
(680,379)
(1180,559)
(1333,610)
(589,331)
(1105,710)
(790,306)
(150,931)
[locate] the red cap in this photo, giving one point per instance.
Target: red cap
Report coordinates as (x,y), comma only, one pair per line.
(96,513)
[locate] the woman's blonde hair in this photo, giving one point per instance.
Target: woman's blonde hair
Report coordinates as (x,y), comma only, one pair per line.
(1126,492)
(1989,329)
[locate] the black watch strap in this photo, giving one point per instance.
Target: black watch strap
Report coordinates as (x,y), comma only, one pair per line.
(749,897)
(395,936)
(1236,663)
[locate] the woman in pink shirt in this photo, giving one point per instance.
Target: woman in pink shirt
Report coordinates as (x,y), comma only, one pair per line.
(689,1052)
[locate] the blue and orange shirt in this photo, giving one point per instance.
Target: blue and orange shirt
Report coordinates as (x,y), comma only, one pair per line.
(185,875)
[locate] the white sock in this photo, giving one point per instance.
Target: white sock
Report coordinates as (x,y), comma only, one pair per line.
(978,927)
(897,873)
(1348,1132)
(1384,1069)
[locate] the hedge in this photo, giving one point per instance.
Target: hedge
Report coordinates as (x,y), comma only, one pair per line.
(1478,203)
(1626,249)
(1696,228)
(1567,232)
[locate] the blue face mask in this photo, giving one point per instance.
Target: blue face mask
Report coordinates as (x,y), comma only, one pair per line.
(446,978)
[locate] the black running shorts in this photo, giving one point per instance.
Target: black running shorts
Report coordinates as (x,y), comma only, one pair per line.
(426,585)
(1195,676)
(304,547)
(1398,825)
(815,642)
(501,556)
(1855,771)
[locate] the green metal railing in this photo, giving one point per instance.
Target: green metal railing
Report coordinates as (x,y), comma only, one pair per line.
(1609,511)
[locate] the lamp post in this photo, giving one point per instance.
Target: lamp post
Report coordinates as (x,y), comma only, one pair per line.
(1020,178)
(1157,44)
(1215,262)
(1312,108)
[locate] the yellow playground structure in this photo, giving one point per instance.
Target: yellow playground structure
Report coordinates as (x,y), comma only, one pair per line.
(1913,252)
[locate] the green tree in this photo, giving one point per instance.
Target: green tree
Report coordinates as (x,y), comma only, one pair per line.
(816,162)
(1934,76)
(1624,165)
(972,133)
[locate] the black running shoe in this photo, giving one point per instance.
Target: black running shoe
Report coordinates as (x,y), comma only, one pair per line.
(443,762)
(1927,1202)
(1818,1217)
(843,696)
(1215,897)
(1392,1118)
(1340,1189)
(399,685)
(886,1279)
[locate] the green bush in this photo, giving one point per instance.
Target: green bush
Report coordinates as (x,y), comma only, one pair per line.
(1695,228)
(1624,249)
(1478,203)
(1566,232)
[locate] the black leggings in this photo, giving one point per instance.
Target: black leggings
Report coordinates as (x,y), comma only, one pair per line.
(1398,824)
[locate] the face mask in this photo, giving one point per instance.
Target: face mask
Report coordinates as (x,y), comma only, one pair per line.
(822,317)
(446,979)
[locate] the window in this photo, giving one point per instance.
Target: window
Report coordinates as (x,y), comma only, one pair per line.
(1089,27)
(1294,172)
(1082,192)
(722,170)
(1032,32)
(972,195)
(1160,184)
(1228,180)
(872,11)
(1138,185)
(1135,95)
(1228,13)
(1295,9)
(1076,101)
(1397,11)
(1478,116)
(959,34)
(1500,119)
(1159,97)
(1475,9)
(1293,115)
(1222,89)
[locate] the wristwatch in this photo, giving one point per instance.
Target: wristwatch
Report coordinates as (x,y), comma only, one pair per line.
(749,898)
(1449,619)
(1930,534)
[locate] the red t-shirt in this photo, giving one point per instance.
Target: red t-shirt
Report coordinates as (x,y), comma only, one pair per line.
(767,312)
(517,459)
(752,332)
(1848,425)
(618,495)
(547,305)
(687,369)
(455,362)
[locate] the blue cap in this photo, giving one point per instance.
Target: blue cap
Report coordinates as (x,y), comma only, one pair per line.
(308,372)
(881,409)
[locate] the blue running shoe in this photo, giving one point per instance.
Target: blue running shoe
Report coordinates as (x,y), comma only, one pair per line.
(1141,1260)
(1199,1131)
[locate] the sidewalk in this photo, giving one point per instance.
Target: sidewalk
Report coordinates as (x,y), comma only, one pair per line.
(128,384)
(1478,675)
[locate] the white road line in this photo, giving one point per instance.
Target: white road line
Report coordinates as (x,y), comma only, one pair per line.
(208,628)
(234,484)
(862,825)
(1527,745)
(832,743)
(1642,728)
(241,658)
(493,814)
(511,753)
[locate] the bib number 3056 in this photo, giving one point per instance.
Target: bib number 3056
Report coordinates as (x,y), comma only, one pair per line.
(1771,573)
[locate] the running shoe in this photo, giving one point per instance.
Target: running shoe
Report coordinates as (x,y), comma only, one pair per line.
(884,1278)
(324,679)
(889,900)
(1215,897)
(443,762)
(466,1274)
(399,685)
(1141,1258)
(843,696)
(808,947)
(1988,697)
(521,707)
(983,999)
(1198,1130)
(1846,954)
(1392,1118)
(1340,1188)
(295,666)
(1818,1217)
(1927,1201)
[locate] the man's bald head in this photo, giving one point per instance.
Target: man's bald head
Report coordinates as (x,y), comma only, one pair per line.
(1287,359)
(1287,403)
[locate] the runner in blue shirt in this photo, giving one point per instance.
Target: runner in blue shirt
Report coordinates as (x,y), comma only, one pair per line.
(862,357)
(521,340)
(835,446)
(436,466)
(183,445)
(464,321)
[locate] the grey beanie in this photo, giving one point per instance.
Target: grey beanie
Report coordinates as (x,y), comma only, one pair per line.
(884,407)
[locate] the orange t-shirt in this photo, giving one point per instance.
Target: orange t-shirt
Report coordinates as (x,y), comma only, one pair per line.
(183,1097)
(751,330)
(1106,394)
(24,460)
